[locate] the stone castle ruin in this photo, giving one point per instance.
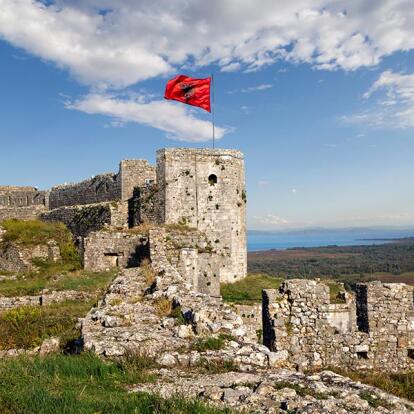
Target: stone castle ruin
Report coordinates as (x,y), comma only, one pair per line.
(199,194)
(187,216)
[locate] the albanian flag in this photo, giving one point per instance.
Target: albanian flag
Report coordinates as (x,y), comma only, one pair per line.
(188,90)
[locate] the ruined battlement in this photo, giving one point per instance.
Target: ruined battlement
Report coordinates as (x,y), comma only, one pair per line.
(203,189)
(374,329)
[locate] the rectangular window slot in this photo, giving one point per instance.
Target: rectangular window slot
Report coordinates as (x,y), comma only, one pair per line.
(362,355)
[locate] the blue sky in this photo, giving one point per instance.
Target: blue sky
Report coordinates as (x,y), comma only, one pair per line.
(318,95)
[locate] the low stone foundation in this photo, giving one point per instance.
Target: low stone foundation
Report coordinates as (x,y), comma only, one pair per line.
(374,332)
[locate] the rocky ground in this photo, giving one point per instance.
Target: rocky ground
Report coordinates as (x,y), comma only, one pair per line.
(164,318)
(278,391)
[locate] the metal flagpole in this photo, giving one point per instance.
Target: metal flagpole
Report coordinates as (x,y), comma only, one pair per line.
(212,106)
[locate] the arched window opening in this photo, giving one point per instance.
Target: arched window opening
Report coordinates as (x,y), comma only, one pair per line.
(212,179)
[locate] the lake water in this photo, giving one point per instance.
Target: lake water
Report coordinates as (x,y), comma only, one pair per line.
(314,238)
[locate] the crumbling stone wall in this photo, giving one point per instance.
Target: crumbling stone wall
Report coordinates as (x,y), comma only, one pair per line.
(81,220)
(133,174)
(198,266)
(205,189)
(299,318)
(11,196)
(252,318)
(145,206)
(104,187)
(104,250)
(21,213)
(15,257)
(24,203)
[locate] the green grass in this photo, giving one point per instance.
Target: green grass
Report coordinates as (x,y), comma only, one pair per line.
(33,232)
(34,283)
(399,384)
(26,327)
(335,289)
(210,343)
(82,384)
(249,289)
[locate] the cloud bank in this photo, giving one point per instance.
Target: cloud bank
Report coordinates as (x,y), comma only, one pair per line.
(394,107)
(175,120)
(108,44)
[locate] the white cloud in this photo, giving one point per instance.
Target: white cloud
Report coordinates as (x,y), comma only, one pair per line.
(136,39)
(245,109)
(175,119)
(293,190)
(271,219)
(395,107)
(108,44)
(261,87)
(263,183)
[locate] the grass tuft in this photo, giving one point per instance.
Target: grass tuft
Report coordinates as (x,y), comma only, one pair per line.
(210,343)
(147,271)
(249,289)
(163,307)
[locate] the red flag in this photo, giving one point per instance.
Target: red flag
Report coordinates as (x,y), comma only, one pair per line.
(191,91)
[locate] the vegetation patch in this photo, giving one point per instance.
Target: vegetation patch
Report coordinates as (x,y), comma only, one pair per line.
(217,366)
(390,262)
(210,343)
(27,327)
(147,271)
(163,307)
(374,401)
(56,279)
(399,384)
(83,384)
(301,391)
(177,314)
(34,232)
(249,289)
(336,292)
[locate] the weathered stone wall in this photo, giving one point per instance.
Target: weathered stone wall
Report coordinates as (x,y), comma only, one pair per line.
(21,213)
(135,173)
(105,187)
(81,220)
(190,251)
(185,250)
(299,318)
(23,203)
(205,189)
(11,196)
(104,250)
(252,318)
(15,257)
(145,206)
(45,298)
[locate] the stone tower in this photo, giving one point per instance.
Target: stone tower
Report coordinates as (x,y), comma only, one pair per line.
(205,189)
